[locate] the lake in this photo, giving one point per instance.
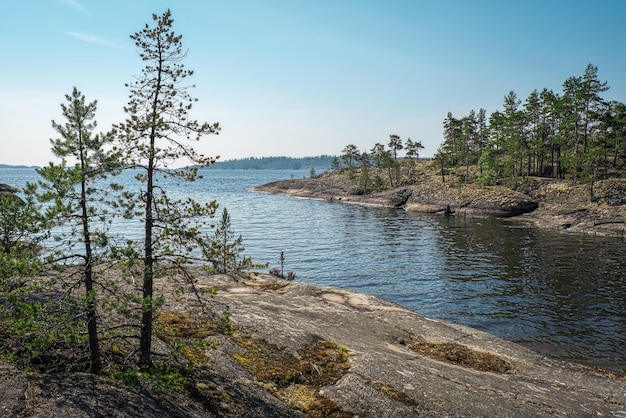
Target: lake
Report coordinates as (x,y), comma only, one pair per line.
(562,295)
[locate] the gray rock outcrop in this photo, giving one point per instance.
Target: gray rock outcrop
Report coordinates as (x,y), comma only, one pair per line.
(400,364)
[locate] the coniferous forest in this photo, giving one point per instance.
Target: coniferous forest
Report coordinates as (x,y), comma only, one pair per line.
(321,163)
(575,134)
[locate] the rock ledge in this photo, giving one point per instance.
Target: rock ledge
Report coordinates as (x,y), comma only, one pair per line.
(386,376)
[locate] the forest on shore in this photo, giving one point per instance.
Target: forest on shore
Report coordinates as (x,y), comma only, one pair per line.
(575,134)
(16,166)
(320,163)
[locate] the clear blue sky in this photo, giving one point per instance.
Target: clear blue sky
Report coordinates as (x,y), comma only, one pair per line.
(302,78)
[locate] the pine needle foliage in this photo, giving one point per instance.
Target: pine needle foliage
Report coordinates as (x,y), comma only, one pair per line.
(155,137)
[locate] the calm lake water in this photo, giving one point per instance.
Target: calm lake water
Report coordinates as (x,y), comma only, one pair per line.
(562,295)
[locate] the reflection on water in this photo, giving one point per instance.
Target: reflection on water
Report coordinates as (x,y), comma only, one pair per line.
(560,294)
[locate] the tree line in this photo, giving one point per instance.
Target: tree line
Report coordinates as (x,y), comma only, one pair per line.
(73,206)
(379,161)
(321,162)
(575,134)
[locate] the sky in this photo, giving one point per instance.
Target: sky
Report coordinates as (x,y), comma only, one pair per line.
(302,78)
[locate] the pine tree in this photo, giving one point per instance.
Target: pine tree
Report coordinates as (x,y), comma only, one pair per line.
(154,137)
(412,153)
(350,155)
(395,145)
(226,250)
(377,154)
(77,202)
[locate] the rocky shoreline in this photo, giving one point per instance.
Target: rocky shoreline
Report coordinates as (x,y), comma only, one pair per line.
(544,203)
(307,350)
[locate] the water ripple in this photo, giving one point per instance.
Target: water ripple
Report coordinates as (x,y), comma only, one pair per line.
(562,295)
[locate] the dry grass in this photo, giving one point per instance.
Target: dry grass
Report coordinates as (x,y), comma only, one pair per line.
(606,373)
(297,380)
(460,355)
(188,332)
(394,393)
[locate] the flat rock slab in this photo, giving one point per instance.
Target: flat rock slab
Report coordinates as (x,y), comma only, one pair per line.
(387,378)
(426,197)
(546,203)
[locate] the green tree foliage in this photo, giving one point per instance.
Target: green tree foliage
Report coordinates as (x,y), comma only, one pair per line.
(391,166)
(412,153)
(440,159)
(452,137)
(464,139)
(350,155)
(365,180)
(488,166)
(515,143)
(22,229)
(413,149)
(575,134)
(371,168)
(377,154)
(395,145)
(76,203)
(226,250)
(614,127)
(154,136)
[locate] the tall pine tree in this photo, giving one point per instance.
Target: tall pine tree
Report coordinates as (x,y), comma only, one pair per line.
(155,135)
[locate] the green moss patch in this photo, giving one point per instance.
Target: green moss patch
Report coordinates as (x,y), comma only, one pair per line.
(394,393)
(179,325)
(188,333)
(460,355)
(297,380)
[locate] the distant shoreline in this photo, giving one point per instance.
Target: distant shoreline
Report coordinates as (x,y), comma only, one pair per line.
(318,163)
(5,166)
